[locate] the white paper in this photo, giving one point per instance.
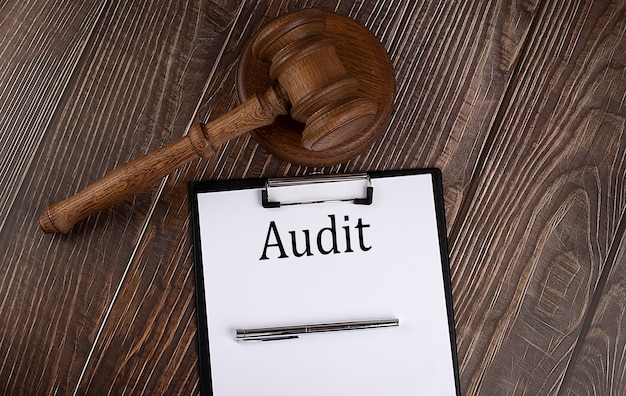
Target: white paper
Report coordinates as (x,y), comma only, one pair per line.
(388,266)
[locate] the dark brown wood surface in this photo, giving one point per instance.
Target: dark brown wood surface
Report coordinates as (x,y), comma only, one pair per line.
(521,104)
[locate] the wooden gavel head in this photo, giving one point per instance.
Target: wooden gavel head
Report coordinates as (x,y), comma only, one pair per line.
(337,77)
(323,95)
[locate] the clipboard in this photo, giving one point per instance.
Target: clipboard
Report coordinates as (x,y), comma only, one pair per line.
(296,253)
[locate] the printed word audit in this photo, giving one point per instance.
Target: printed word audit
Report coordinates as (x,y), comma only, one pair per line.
(328,240)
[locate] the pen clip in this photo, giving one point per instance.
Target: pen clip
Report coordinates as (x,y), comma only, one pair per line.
(268,338)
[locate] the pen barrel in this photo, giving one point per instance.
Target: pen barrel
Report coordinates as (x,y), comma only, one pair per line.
(289,332)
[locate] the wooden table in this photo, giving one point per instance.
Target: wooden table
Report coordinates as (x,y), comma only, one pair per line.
(521,104)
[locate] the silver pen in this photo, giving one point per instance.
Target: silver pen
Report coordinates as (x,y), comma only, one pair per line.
(291,332)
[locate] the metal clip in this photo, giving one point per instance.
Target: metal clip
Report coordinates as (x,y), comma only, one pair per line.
(307,180)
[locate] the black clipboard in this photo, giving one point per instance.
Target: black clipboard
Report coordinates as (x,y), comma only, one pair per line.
(337,213)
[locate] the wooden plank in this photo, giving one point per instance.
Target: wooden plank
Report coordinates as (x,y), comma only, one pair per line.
(599,363)
(124,97)
(39,47)
(449,90)
(546,206)
(454,62)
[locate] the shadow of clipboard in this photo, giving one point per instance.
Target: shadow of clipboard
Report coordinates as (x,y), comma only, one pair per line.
(323,249)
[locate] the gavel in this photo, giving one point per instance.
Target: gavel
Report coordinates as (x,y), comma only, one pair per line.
(309,82)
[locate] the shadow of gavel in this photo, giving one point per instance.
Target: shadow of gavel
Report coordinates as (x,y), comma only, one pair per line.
(309,82)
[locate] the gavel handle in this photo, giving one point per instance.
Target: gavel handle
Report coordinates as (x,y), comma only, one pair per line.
(139,174)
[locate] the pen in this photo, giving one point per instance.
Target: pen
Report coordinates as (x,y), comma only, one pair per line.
(291,332)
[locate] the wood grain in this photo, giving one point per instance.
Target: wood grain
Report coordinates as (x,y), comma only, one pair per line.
(40,47)
(546,206)
(148,338)
(454,62)
(31,82)
(600,362)
(55,293)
